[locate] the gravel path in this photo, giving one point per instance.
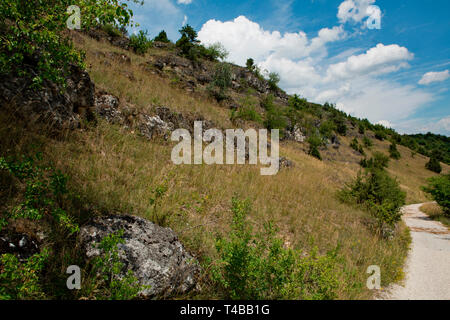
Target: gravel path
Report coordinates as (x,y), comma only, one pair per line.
(428,264)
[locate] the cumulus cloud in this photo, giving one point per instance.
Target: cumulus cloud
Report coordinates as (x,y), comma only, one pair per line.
(355,82)
(184,1)
(431,77)
(357,10)
(245,38)
(377,60)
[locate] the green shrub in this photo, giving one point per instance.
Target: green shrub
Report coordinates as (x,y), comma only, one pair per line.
(341,127)
(140,43)
(393,152)
(106,281)
(361,128)
(112,30)
(22,280)
(367,142)
(45,192)
(297,103)
(314,142)
(273,80)
(222,81)
(32,41)
(275,119)
(257,266)
(439,188)
(379,193)
(214,52)
(327,128)
(434,165)
(162,37)
(250,64)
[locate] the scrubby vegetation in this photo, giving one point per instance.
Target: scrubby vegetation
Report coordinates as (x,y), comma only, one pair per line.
(439,188)
(257,265)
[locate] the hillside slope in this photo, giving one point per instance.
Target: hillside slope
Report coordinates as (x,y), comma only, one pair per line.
(115,169)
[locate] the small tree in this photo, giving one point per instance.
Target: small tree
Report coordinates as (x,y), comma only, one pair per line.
(439,188)
(274,79)
(393,152)
(162,37)
(434,165)
(188,41)
(250,64)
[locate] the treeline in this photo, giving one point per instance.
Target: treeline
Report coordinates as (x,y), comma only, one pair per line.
(430,145)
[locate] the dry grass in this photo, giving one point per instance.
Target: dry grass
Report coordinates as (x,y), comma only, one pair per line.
(115,170)
(435,212)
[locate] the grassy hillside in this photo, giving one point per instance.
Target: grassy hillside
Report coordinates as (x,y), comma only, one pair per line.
(115,170)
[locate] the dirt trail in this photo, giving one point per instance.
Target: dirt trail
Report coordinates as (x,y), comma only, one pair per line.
(427,267)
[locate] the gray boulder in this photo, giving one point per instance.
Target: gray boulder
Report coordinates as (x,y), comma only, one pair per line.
(153,253)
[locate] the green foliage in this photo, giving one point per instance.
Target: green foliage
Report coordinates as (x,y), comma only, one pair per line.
(32,42)
(367,142)
(222,81)
(257,266)
(21,280)
(434,165)
(155,201)
(273,80)
(314,142)
(361,128)
(393,152)
(378,161)
(341,127)
(188,43)
(45,192)
(214,52)
(112,30)
(327,128)
(429,145)
(250,64)
(356,146)
(439,188)
(297,103)
(140,43)
(162,37)
(380,134)
(247,111)
(107,270)
(379,193)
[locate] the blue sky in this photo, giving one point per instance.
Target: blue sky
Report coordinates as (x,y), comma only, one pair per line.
(323,50)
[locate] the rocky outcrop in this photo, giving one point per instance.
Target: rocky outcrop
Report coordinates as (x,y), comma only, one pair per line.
(51,104)
(154,254)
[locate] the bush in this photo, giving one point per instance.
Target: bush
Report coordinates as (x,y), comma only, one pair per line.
(326,128)
(434,165)
(379,193)
(393,152)
(106,281)
(378,161)
(140,42)
(314,142)
(341,127)
(162,37)
(22,280)
(250,64)
(367,142)
(297,103)
(273,80)
(275,119)
(221,81)
(32,41)
(214,52)
(257,266)
(439,188)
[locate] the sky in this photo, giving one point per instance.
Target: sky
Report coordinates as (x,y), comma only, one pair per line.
(387,61)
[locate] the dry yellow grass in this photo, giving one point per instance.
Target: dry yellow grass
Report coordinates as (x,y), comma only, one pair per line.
(435,212)
(115,170)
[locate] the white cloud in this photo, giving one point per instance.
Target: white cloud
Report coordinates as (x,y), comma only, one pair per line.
(377,60)
(385,123)
(357,10)
(350,79)
(245,38)
(184,1)
(431,77)
(185,20)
